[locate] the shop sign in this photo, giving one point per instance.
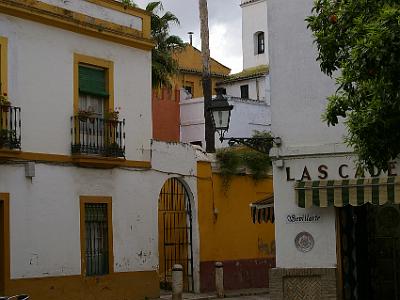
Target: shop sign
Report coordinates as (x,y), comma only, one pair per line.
(344,172)
(302,218)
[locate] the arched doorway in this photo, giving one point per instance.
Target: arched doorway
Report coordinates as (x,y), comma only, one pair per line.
(175,233)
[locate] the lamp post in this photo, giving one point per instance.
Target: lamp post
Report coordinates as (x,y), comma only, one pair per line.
(220,111)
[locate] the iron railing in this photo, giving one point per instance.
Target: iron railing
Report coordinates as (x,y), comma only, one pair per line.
(10,127)
(97,136)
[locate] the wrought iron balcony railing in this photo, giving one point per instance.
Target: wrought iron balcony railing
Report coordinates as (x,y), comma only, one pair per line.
(97,136)
(10,127)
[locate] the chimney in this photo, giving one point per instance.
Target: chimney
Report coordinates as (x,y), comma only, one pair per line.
(190,33)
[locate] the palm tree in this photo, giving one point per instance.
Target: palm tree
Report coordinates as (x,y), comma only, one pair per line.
(164,66)
(205,51)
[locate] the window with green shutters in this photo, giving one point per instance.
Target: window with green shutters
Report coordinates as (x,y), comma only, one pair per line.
(92,89)
(92,81)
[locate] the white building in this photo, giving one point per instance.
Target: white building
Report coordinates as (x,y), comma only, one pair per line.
(247,117)
(254,33)
(248,91)
(328,246)
(79,189)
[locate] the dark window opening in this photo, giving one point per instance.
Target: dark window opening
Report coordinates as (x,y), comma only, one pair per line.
(244,91)
(188,89)
(197,143)
(260,43)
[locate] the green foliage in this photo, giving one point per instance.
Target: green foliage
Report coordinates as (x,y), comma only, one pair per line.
(164,66)
(129,3)
(232,158)
(361,40)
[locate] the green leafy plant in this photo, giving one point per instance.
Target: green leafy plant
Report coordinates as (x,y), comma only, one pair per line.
(360,40)
(4,100)
(7,137)
(163,64)
(84,114)
(233,158)
(112,115)
(129,3)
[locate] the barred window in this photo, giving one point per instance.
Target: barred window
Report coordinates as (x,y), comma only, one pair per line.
(96,234)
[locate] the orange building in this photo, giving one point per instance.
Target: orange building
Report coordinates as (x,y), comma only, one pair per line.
(165,103)
(227,231)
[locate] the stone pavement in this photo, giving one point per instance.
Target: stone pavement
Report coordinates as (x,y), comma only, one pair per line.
(248,294)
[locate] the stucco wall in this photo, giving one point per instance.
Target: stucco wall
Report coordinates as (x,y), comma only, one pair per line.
(246,117)
(40,68)
(257,88)
(227,232)
(254,19)
(44,212)
(298,88)
(298,99)
(166,115)
(100,12)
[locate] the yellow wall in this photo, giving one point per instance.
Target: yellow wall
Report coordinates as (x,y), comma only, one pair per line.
(231,234)
(190,59)
(116,286)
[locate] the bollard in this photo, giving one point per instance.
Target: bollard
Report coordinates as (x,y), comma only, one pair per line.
(219,279)
(177,282)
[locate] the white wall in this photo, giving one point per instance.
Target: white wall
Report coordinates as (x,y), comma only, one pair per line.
(99,12)
(257,88)
(298,99)
(45,221)
(247,116)
(41,83)
(298,88)
(254,19)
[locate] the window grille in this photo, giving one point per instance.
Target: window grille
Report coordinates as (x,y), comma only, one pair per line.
(96,228)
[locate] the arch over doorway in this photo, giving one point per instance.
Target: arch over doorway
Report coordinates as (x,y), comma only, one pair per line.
(175,229)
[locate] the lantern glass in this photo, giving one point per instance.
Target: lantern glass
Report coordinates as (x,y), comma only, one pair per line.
(221,119)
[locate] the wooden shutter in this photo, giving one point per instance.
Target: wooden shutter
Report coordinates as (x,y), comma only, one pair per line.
(92,81)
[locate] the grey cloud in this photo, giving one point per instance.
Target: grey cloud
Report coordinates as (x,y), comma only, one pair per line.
(223,14)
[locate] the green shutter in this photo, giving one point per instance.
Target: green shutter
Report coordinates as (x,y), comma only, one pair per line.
(92,81)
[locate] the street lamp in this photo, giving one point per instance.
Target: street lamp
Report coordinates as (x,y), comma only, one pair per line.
(220,111)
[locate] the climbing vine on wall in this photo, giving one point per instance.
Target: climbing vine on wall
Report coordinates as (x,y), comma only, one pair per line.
(232,160)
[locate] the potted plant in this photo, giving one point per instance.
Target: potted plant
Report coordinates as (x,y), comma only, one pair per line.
(4,102)
(112,116)
(3,136)
(84,114)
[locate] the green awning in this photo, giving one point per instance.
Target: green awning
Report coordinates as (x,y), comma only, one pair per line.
(355,192)
(263,210)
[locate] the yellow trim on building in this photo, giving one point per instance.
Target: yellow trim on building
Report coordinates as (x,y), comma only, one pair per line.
(5,218)
(103,200)
(3,65)
(134,11)
(107,65)
(76,22)
(87,161)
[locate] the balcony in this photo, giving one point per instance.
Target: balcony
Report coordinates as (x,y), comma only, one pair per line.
(10,127)
(98,137)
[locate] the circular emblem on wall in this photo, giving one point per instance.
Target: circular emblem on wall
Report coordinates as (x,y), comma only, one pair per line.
(304,242)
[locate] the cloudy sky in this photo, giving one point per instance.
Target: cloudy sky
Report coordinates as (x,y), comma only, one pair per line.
(225,27)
